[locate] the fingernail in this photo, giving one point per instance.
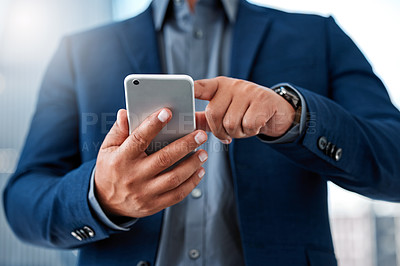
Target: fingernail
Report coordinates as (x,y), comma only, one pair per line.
(118,116)
(226,141)
(200,138)
(203,156)
(163,116)
(201,173)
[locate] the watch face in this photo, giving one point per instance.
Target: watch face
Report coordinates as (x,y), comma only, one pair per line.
(281,91)
(286,92)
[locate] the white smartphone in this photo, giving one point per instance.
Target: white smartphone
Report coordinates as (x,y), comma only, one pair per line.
(145,94)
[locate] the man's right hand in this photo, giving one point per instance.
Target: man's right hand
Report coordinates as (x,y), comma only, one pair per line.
(128,182)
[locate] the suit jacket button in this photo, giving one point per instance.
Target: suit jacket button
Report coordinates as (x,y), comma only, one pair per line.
(332,151)
(82,233)
(328,148)
(143,263)
(89,231)
(74,234)
(338,154)
(322,143)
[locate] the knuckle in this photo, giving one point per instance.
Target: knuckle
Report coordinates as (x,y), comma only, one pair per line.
(179,195)
(237,83)
(248,88)
(137,198)
(263,95)
(214,118)
(139,139)
(259,125)
(229,124)
(221,78)
(212,112)
(164,159)
(141,205)
(248,126)
(173,180)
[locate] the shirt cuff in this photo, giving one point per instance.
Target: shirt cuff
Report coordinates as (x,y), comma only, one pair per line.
(296,130)
(94,204)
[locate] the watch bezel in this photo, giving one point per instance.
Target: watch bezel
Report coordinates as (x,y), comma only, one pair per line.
(285,91)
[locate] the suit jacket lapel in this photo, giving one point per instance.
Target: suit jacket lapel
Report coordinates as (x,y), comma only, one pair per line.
(250,29)
(139,41)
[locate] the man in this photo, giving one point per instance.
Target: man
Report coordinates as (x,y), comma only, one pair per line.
(270,149)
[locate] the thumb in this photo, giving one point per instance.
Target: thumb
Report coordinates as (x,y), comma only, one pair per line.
(201,121)
(119,131)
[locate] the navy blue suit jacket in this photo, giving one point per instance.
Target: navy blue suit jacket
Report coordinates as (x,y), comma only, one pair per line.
(281,189)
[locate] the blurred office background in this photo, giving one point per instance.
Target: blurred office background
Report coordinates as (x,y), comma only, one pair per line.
(365,232)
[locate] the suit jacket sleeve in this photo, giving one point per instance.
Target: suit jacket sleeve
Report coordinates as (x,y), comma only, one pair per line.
(47,198)
(357,117)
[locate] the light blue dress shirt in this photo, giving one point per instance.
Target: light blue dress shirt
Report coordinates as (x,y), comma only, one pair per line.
(203,228)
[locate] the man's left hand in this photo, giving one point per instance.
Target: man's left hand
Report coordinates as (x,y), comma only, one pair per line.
(241,109)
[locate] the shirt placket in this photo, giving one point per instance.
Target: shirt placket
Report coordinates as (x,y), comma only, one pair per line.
(197,48)
(195,221)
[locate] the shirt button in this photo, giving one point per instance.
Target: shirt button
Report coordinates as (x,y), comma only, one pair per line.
(178,2)
(198,34)
(196,193)
(194,254)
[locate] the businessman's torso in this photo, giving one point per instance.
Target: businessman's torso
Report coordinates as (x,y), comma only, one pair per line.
(282,206)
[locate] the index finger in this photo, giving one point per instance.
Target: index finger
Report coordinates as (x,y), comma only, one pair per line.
(205,89)
(140,138)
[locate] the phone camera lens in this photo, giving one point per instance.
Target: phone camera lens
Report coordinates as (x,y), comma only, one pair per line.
(136,82)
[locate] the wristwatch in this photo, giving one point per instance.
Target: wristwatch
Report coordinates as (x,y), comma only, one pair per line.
(287,93)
